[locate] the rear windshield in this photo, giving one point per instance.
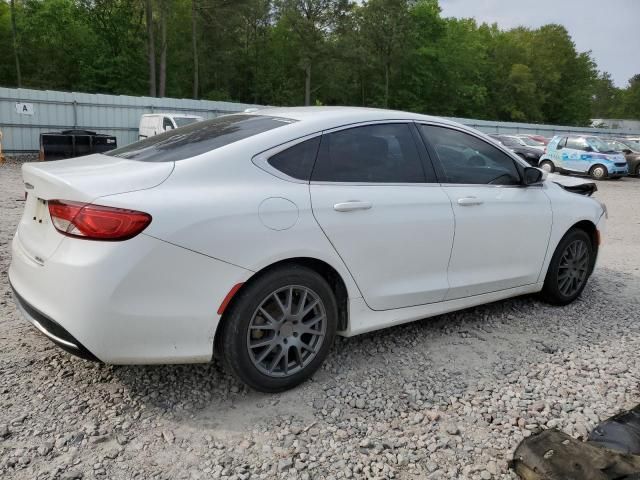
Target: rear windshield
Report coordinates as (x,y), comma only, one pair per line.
(198,138)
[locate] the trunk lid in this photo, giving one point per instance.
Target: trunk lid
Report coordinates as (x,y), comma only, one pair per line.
(79,179)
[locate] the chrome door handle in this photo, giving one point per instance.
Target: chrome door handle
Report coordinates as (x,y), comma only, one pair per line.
(469,201)
(352,205)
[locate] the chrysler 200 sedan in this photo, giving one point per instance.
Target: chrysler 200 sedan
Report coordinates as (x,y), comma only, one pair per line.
(259,237)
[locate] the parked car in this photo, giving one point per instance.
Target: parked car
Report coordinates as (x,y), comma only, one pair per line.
(631,151)
(585,155)
(259,237)
(528,154)
(531,142)
(538,138)
(154,123)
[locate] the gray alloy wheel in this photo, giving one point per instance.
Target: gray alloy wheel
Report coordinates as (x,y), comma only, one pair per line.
(573,268)
(598,172)
(286,331)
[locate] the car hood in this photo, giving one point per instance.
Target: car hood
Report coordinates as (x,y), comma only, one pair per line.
(582,186)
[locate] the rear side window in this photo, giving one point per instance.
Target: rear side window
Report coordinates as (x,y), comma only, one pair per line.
(198,138)
(466,159)
(297,161)
(384,153)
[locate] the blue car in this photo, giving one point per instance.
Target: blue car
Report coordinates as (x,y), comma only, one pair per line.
(583,154)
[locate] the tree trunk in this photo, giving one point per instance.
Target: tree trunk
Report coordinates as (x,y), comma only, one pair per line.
(307,85)
(387,68)
(162,88)
(151,48)
(194,42)
(14,34)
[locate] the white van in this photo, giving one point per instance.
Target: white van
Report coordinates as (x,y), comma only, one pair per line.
(154,123)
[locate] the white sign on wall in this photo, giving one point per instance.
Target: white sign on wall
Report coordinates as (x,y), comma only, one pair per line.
(24,108)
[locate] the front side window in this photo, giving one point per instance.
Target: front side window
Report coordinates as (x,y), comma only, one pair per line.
(577,143)
(297,161)
(198,138)
(467,159)
(167,124)
(383,153)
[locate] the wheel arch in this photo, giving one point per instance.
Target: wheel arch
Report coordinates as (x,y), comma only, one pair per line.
(324,269)
(590,229)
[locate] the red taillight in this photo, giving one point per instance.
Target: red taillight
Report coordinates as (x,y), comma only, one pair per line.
(96,222)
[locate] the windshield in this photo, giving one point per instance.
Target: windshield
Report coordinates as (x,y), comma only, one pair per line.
(599,145)
(182,121)
(198,138)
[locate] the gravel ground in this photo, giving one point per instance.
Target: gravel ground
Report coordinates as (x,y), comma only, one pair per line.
(448,397)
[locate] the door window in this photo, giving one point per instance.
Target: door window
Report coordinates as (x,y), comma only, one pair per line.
(466,159)
(383,153)
(577,143)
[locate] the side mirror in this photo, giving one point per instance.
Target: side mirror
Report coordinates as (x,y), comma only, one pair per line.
(533,176)
(168,127)
(626,151)
(588,148)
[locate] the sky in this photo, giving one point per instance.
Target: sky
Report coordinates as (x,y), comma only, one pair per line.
(609,28)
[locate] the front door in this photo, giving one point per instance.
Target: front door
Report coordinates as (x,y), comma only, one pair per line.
(502,227)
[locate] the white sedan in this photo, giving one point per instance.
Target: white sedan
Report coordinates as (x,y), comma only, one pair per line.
(258,237)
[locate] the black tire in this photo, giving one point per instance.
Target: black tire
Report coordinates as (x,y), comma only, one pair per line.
(547,166)
(553,291)
(235,333)
(638,170)
(598,172)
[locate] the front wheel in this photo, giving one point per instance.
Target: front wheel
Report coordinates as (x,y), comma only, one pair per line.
(569,268)
(598,172)
(547,166)
(280,328)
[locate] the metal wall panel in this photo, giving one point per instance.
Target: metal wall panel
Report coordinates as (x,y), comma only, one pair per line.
(119,115)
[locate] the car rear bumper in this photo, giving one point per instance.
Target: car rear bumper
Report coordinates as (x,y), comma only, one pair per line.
(52,329)
(141,301)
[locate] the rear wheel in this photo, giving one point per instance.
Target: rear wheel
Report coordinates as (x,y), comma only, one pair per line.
(547,166)
(598,172)
(638,170)
(569,268)
(280,329)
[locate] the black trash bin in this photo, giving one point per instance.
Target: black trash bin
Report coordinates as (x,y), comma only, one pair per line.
(74,143)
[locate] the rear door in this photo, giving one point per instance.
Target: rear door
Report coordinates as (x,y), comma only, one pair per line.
(386,216)
(502,227)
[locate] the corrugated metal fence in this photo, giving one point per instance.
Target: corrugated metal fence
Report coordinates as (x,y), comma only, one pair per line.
(24,114)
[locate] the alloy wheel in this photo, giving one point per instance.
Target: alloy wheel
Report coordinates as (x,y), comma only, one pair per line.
(573,268)
(286,331)
(599,172)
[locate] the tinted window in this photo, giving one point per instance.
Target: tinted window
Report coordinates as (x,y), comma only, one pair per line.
(561,143)
(198,138)
(297,161)
(508,141)
(576,143)
(467,159)
(385,153)
(167,123)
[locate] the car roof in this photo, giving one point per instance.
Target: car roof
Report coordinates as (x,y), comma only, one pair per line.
(329,117)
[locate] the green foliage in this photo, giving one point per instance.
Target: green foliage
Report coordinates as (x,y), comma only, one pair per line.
(397,53)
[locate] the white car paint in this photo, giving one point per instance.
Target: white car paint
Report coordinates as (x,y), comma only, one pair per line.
(408,252)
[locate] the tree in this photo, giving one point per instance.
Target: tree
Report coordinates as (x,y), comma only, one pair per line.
(14,34)
(151,48)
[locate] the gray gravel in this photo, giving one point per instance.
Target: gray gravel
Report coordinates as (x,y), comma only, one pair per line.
(448,397)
